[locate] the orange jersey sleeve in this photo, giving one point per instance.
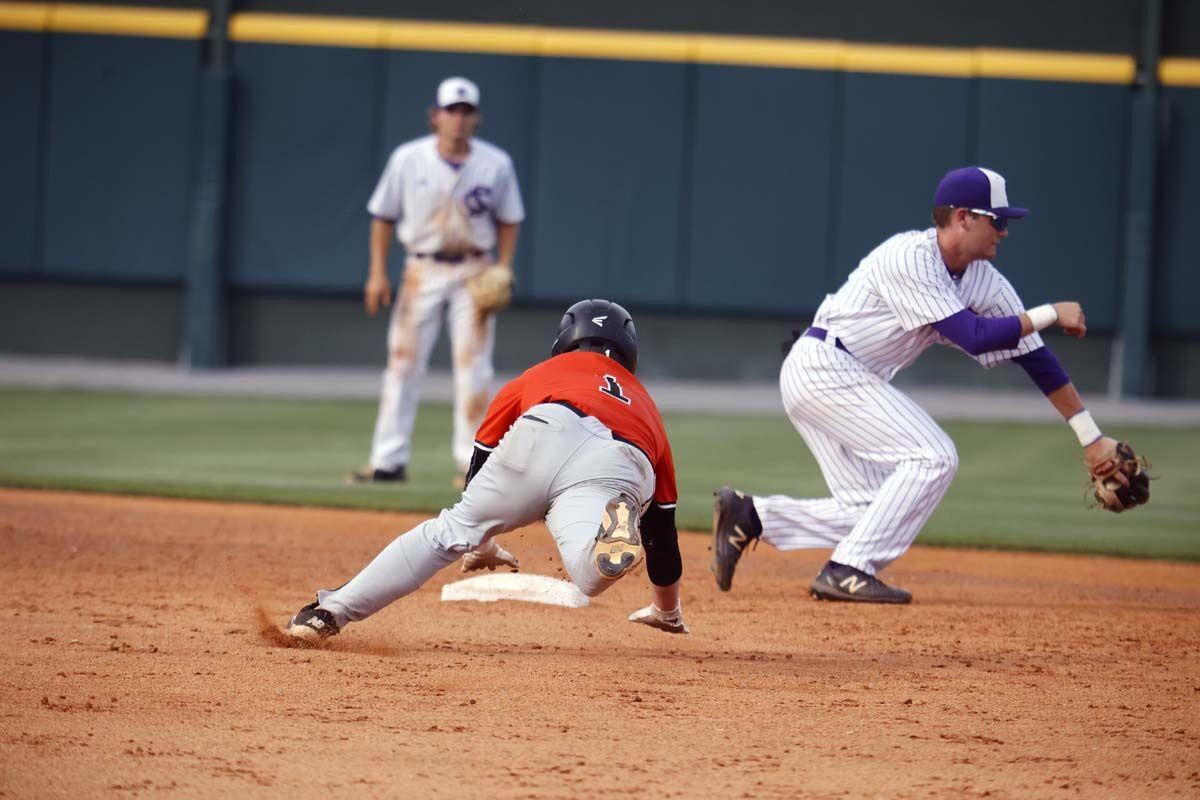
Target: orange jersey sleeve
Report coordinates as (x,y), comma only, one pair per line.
(501,414)
(594,385)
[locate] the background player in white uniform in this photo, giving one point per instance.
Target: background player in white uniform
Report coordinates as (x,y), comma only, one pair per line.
(887,463)
(450,199)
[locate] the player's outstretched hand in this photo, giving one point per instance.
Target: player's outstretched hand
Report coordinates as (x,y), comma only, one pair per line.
(1071,319)
(655,617)
(377,292)
(1100,455)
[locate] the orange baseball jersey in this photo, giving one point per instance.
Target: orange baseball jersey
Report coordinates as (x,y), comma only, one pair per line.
(594,385)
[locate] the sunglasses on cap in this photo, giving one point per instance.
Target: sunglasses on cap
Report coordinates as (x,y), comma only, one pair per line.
(999,223)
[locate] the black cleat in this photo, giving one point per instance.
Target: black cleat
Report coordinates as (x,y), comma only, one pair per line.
(735,525)
(312,624)
(369,474)
(840,582)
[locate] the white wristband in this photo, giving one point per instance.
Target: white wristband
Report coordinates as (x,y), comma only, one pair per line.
(1042,316)
(1085,428)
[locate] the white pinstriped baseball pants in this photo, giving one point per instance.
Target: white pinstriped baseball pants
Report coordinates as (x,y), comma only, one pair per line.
(887,463)
(428,288)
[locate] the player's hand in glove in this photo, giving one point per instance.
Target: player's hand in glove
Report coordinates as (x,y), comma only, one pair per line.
(655,617)
(1119,479)
(489,556)
(491,290)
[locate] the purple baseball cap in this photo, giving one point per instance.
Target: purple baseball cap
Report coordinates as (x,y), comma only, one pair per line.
(976,189)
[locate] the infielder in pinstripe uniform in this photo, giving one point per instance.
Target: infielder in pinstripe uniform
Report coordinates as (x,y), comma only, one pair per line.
(887,463)
(450,199)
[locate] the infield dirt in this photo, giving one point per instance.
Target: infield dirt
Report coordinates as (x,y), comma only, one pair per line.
(135,664)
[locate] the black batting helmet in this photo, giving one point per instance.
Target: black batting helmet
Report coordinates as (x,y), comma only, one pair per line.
(600,326)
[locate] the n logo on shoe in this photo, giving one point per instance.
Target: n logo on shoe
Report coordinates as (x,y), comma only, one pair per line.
(852,584)
(738,538)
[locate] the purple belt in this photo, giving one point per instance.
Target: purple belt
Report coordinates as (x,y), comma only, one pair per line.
(822,334)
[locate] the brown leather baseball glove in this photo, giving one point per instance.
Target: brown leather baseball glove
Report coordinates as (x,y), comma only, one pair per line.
(491,289)
(1114,493)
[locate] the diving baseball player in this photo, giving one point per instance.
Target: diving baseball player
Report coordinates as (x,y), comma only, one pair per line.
(449,198)
(887,463)
(575,441)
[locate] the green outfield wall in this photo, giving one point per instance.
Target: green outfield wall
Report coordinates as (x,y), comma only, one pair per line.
(692,160)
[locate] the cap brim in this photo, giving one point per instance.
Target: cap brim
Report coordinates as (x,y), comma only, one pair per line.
(1012,212)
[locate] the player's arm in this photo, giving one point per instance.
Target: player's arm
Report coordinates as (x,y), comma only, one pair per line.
(506,242)
(977,334)
(1045,370)
(378,290)
(508,214)
(386,207)
(664,565)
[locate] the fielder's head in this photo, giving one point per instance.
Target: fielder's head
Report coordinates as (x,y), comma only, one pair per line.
(971,211)
(600,326)
(977,191)
(456,112)
(457,91)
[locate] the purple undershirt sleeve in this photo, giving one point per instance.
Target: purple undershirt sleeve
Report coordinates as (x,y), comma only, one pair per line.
(1044,369)
(976,334)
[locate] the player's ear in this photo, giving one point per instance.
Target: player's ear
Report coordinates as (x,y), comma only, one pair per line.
(433,118)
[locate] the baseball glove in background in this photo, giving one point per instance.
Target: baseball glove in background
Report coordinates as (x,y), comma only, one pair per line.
(1110,491)
(491,289)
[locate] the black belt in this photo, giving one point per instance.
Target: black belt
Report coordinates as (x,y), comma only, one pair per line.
(822,334)
(443,257)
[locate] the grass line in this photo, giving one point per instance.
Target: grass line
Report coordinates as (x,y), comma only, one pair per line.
(1020,486)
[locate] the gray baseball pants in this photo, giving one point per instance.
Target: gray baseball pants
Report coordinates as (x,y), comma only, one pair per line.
(551,465)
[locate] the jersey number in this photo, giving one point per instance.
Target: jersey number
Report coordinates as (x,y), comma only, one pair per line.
(613,389)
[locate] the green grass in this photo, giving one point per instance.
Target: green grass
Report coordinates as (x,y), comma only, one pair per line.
(1019,486)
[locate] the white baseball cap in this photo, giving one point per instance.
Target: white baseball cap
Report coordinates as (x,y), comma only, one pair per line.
(457,90)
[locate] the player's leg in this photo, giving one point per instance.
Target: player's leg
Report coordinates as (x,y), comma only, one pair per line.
(412,333)
(790,523)
(595,512)
(922,459)
(510,490)
(472,341)
(886,461)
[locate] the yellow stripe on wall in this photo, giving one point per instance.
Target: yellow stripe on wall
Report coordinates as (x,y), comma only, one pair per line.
(1055,66)
(1179,71)
(752,51)
(509,40)
(164,23)
(761,51)
(24,16)
(298,29)
(946,62)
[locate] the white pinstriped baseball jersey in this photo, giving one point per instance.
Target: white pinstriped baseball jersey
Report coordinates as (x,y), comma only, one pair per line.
(417,180)
(884,311)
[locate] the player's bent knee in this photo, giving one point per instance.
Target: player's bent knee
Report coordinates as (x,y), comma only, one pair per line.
(618,546)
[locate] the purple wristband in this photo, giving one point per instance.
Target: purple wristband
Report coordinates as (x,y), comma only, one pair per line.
(976,334)
(1044,369)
